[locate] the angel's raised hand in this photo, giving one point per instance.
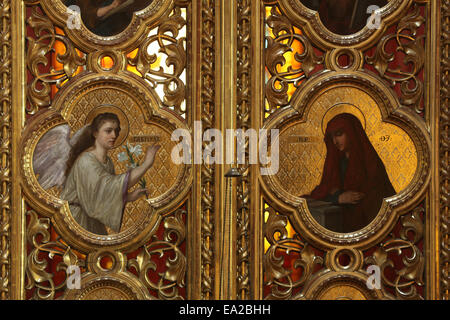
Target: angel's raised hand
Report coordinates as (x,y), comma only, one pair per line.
(150,154)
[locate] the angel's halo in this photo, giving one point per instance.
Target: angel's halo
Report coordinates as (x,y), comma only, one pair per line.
(124,123)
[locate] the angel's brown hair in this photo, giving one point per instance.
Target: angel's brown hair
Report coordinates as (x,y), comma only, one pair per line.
(87,139)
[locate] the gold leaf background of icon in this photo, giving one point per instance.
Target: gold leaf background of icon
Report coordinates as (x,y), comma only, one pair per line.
(301,164)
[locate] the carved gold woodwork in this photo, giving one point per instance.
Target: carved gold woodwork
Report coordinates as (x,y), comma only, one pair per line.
(114,278)
(305,85)
(151,102)
(443,154)
(207,171)
(316,274)
(323,87)
(143,58)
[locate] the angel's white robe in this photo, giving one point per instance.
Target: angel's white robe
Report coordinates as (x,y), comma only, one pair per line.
(96,195)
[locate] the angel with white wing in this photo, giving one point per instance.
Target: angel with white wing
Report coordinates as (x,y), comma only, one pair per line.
(82,168)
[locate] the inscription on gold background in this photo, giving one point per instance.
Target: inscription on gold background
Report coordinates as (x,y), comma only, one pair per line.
(148,139)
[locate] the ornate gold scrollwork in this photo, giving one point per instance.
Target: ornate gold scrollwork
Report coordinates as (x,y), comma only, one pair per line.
(282,283)
(6,139)
(173,278)
(410,275)
(347,58)
(173,46)
(335,280)
(444,153)
(38,48)
(118,70)
(341,286)
(39,279)
(412,47)
(284,35)
(208,76)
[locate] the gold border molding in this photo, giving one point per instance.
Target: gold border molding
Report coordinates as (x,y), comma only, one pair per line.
(444,153)
(12,81)
(6,159)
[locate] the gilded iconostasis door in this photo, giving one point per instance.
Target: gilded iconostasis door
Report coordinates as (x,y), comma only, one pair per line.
(216,149)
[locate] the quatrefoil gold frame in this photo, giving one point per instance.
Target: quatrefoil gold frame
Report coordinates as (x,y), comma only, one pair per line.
(120,286)
(391,112)
(53,207)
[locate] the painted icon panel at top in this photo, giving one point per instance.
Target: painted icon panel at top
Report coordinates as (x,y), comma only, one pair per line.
(344,17)
(107,17)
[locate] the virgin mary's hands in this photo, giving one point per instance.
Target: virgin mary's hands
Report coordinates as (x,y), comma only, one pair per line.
(350,197)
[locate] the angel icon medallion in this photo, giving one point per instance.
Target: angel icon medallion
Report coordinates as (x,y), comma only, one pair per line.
(82,168)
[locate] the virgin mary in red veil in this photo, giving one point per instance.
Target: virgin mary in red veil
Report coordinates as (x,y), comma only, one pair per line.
(354,178)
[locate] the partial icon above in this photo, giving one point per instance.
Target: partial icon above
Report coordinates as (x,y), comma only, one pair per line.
(103,17)
(346,17)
